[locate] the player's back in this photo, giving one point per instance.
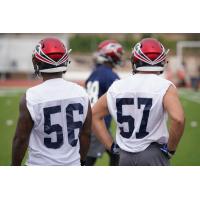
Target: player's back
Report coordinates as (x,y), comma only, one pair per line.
(99,81)
(136,104)
(58,109)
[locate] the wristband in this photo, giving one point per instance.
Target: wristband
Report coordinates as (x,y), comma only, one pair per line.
(114,148)
(83,162)
(166,151)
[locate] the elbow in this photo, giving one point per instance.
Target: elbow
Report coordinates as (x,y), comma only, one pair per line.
(94,114)
(180,120)
(95,118)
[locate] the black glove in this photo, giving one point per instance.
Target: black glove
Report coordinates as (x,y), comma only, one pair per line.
(114,148)
(83,162)
(166,151)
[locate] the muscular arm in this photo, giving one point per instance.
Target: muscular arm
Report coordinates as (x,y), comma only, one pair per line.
(22,133)
(99,111)
(85,134)
(173,107)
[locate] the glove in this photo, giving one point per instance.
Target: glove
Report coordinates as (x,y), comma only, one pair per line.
(114,148)
(83,162)
(166,151)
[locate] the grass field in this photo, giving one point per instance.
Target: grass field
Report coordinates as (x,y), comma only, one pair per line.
(188,153)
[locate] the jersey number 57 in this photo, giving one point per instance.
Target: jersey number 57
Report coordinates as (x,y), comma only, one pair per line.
(142,132)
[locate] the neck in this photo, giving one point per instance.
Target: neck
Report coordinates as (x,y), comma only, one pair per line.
(48,76)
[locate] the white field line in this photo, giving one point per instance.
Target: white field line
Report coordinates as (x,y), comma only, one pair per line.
(11,92)
(184,93)
(190,95)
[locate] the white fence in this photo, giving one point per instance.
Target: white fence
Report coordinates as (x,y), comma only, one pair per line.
(16,52)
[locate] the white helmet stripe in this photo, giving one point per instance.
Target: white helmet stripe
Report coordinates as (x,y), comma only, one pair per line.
(40,55)
(43,59)
(162,55)
(141,56)
(46,55)
(141,52)
(64,58)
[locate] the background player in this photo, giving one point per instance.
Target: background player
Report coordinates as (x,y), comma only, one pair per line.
(55,116)
(139,104)
(109,55)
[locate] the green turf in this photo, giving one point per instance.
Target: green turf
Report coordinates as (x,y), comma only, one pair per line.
(8,118)
(188,150)
(187,153)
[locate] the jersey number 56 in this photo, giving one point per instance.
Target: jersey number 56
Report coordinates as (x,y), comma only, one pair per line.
(71,125)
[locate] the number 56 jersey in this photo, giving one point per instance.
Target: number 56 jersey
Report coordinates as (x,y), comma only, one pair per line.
(58,109)
(136,104)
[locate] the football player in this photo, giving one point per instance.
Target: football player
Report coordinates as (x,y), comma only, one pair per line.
(55,116)
(106,58)
(139,104)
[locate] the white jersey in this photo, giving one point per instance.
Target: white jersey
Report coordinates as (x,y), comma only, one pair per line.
(136,104)
(58,109)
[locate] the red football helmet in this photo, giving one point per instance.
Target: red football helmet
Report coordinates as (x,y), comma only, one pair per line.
(109,51)
(50,56)
(149,55)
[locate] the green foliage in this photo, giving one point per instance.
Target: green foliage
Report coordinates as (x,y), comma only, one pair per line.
(128,44)
(168,44)
(87,43)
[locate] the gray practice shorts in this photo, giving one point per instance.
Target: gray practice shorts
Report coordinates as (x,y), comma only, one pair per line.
(96,148)
(151,156)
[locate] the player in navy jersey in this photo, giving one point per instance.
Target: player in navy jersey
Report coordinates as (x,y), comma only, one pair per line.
(106,58)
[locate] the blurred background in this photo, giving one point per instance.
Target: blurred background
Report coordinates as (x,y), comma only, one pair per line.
(16,75)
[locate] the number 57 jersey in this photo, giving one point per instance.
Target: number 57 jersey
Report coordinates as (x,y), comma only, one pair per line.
(58,109)
(136,104)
